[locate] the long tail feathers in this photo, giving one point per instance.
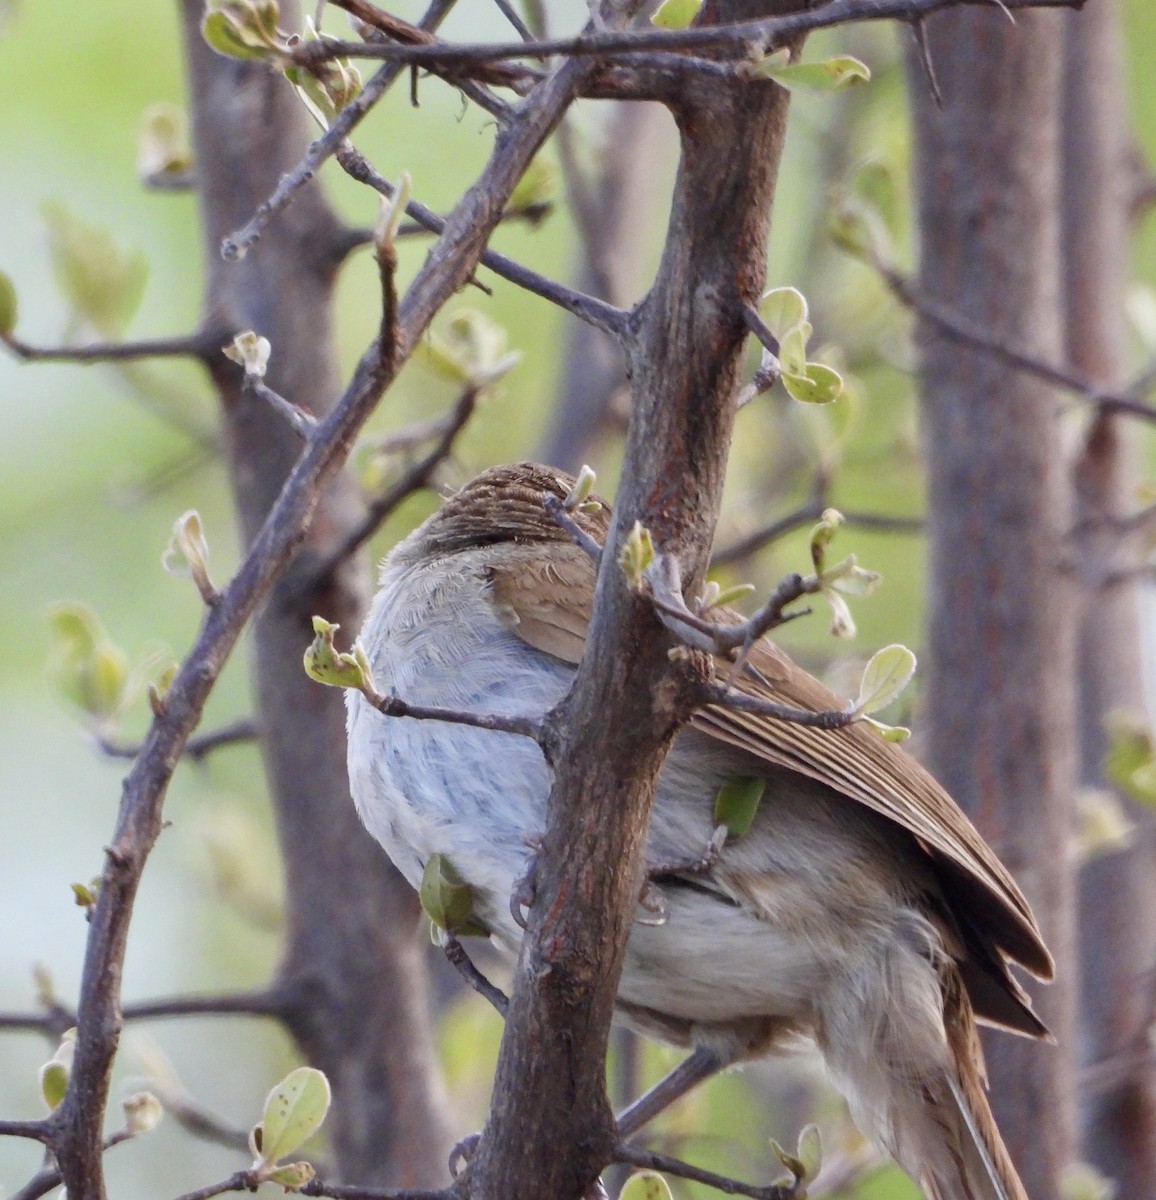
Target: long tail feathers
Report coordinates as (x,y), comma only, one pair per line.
(988,1173)
(973,1163)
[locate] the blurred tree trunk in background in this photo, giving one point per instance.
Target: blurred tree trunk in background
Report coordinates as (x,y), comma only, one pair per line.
(1117,888)
(615,215)
(352,981)
(1000,692)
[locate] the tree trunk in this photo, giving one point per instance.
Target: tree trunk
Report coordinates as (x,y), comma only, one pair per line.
(999,694)
(353,976)
(1117,890)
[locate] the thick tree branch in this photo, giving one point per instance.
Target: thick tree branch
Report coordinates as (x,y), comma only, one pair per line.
(744,38)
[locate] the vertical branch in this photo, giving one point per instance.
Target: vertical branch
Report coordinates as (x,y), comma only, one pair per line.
(550,1127)
(1001,637)
(613,239)
(1117,890)
(353,958)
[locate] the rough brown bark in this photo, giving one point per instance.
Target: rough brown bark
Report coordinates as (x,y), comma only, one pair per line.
(683,357)
(1000,702)
(1117,890)
(353,975)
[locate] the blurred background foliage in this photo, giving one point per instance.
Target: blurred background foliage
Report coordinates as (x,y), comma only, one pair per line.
(97,462)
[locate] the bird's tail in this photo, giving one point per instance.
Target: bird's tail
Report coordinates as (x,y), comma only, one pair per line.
(971,1162)
(920,1094)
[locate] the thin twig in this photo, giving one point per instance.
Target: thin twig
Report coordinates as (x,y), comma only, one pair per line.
(755,323)
(557,509)
(271,1002)
(197,748)
(51,1024)
(726,697)
(416,477)
(665,579)
(336,1191)
(587,308)
(807,514)
(239,243)
(957,327)
(38,1131)
(394,706)
(301,422)
(510,13)
(195,345)
(39,1185)
(242,1181)
(651,1160)
(464,965)
(49,1177)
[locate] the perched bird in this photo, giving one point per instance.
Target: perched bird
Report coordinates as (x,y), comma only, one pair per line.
(861,908)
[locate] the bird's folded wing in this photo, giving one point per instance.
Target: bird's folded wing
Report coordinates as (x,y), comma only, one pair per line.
(548,607)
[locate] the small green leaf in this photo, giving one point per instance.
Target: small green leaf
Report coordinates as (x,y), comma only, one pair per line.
(822,534)
(8,305)
(719,597)
(796,1168)
(86,894)
(675,14)
(162,148)
(809,1151)
(292,1176)
(1082,1181)
(817,384)
(90,670)
(793,349)
(827,75)
(53,1083)
(645,1185)
(859,229)
(850,579)
(889,733)
(637,553)
(886,675)
(471,350)
(535,189)
(325,664)
(1130,762)
(737,803)
(103,283)
(783,308)
(294,1111)
(55,1073)
(221,35)
(448,900)
(390,214)
(579,493)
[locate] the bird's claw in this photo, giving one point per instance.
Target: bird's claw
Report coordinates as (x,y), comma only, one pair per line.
(526,889)
(462,1152)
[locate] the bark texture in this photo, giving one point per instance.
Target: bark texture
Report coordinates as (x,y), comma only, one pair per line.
(1117,890)
(683,355)
(1000,700)
(353,975)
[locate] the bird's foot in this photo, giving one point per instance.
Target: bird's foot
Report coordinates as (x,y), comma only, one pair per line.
(462,1152)
(699,865)
(526,889)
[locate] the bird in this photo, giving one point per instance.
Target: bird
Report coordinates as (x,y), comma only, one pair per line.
(861,909)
